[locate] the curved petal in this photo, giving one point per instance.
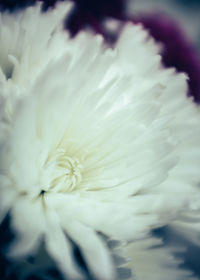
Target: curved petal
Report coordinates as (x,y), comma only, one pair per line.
(93,249)
(59,247)
(29,226)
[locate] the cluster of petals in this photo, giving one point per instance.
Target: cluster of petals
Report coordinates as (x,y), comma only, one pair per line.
(92,139)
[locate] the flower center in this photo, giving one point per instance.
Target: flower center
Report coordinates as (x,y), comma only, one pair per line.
(67,175)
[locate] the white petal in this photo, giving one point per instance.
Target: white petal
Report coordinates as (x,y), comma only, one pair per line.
(28,223)
(59,247)
(94,251)
(151,260)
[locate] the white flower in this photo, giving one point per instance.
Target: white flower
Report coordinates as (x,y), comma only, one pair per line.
(152,260)
(89,145)
(29,40)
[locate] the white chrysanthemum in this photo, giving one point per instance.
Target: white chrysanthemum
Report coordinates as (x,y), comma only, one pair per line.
(90,144)
(154,261)
(29,40)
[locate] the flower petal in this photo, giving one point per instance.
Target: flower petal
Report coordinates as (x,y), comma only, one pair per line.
(93,249)
(59,247)
(153,261)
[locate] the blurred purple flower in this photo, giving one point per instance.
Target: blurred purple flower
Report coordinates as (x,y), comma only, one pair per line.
(178,50)
(91,13)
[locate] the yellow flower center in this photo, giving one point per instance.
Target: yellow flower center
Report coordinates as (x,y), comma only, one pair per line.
(67,174)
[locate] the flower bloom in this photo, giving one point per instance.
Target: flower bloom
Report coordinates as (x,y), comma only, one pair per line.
(92,141)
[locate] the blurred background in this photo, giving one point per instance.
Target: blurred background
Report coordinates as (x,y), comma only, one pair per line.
(185,12)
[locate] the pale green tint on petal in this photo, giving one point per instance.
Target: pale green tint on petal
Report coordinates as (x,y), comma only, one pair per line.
(151,260)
